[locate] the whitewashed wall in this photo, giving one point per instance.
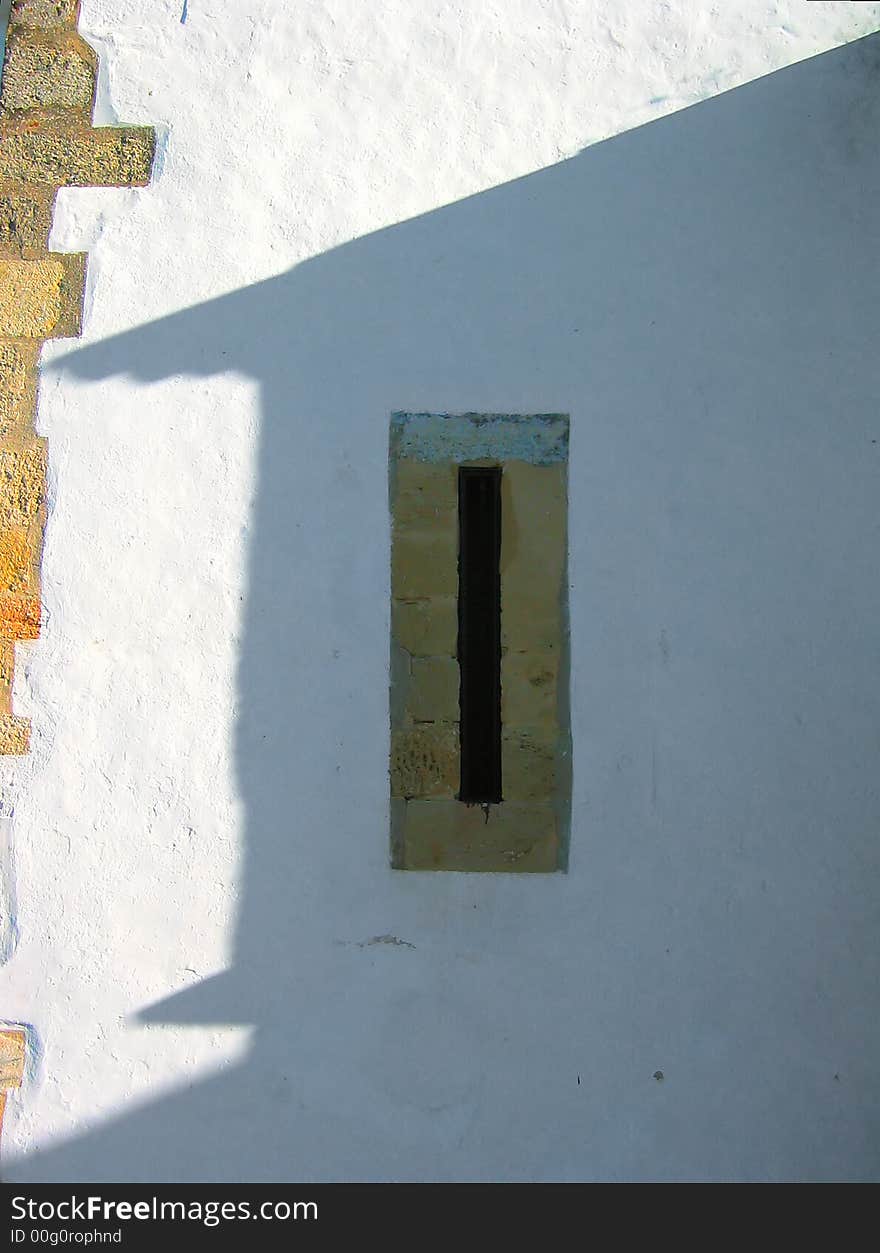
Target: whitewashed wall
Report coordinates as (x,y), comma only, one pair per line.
(205,807)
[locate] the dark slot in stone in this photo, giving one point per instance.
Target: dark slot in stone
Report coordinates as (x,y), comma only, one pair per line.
(479,632)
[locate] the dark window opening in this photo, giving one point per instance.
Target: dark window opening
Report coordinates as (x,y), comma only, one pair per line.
(479,632)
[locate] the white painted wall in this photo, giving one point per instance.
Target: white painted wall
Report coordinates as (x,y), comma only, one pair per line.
(205,806)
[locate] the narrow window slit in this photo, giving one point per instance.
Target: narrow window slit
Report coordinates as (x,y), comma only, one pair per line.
(479,632)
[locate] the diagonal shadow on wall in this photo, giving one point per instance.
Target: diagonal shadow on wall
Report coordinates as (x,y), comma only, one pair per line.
(701,295)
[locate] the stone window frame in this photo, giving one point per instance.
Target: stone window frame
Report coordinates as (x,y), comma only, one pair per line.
(528,831)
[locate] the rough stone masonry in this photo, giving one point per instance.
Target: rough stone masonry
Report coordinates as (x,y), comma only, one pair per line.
(47,141)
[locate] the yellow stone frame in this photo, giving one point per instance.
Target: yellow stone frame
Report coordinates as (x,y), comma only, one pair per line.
(430,828)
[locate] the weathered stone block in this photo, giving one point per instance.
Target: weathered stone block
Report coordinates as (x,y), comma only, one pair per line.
(19,616)
(533,554)
(528,765)
(22,483)
(7,672)
(448,835)
(432,691)
(529,683)
(426,628)
(42,299)
(25,219)
(424,563)
(15,738)
(17,560)
(48,71)
(76,156)
(12,1058)
(535,499)
(425,492)
(18,386)
(424,761)
(30,297)
(398,828)
(73,285)
(530,621)
(45,14)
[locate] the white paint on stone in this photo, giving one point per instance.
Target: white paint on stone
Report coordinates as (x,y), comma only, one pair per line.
(216,572)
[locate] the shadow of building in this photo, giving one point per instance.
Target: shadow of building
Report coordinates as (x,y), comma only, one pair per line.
(701,296)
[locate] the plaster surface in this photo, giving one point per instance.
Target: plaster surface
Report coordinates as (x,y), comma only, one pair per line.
(358,210)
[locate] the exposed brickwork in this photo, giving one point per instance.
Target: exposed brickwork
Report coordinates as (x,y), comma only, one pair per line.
(47,141)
